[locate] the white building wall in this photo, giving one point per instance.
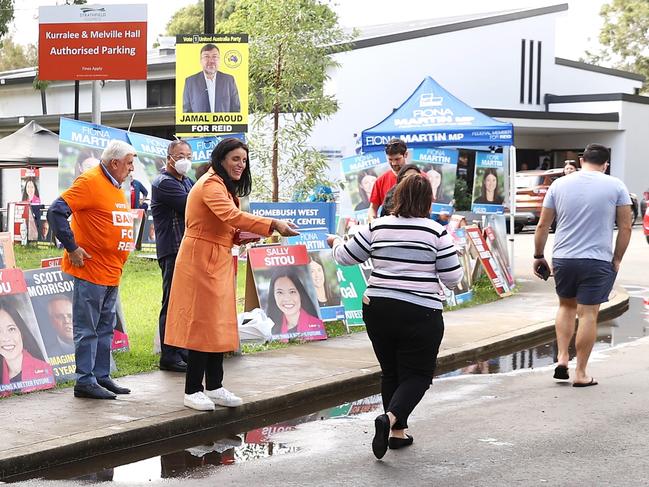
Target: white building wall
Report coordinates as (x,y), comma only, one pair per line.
(571,81)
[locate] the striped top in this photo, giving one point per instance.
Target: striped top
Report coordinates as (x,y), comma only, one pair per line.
(410,256)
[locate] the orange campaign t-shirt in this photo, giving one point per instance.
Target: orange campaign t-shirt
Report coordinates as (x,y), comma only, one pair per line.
(102,224)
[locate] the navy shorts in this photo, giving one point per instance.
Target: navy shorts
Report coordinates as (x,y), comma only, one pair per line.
(588,280)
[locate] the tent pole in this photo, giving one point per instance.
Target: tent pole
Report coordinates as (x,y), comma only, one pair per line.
(96,102)
(512,203)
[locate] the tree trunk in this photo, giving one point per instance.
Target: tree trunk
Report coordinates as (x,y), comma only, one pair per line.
(276,110)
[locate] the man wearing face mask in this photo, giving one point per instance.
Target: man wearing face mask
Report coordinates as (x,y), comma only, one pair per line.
(169,192)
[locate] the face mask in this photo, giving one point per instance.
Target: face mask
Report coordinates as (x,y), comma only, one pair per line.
(182,166)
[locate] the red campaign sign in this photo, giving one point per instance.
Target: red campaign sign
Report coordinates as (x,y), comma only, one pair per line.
(486,258)
(92,42)
(278,256)
(12,281)
(52,262)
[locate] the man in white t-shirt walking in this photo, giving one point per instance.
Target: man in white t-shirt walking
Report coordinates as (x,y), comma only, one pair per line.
(587,205)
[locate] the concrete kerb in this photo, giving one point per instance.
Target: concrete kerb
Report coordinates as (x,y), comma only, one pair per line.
(258,410)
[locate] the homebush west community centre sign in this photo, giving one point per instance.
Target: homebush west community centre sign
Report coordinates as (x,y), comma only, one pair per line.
(92,42)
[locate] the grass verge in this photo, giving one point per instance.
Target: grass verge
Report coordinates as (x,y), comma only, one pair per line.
(141,294)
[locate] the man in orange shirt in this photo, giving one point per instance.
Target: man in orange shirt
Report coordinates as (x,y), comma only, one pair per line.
(97,245)
(397,153)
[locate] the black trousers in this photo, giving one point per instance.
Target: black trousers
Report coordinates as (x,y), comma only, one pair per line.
(203,364)
(168,353)
(406,339)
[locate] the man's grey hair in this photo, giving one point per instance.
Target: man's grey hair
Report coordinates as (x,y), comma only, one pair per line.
(117,149)
(175,143)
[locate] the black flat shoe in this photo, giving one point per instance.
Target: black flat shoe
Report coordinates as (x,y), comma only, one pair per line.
(113,387)
(92,391)
(381,434)
(396,443)
(180,366)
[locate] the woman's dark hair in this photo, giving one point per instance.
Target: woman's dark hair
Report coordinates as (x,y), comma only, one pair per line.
(413,197)
(202,169)
(365,198)
(272,310)
(30,179)
(404,170)
(8,305)
(243,187)
(388,201)
(483,193)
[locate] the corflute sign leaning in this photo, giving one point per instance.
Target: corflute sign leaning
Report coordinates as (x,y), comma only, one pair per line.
(92,42)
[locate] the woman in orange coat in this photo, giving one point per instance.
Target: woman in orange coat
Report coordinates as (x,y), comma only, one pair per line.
(202,316)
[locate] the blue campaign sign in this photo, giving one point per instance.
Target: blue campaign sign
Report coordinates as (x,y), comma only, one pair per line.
(88,134)
(324,273)
(307,216)
(489,183)
(432,116)
(440,165)
(361,162)
(149,145)
(202,147)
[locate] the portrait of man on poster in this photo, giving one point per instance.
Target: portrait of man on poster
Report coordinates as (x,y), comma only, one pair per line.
(210,90)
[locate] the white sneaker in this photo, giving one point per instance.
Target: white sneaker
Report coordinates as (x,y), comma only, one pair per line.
(198,401)
(223,397)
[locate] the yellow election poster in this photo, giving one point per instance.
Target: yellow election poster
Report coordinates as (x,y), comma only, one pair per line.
(211,84)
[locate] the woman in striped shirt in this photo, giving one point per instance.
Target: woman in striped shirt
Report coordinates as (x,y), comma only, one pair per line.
(402,306)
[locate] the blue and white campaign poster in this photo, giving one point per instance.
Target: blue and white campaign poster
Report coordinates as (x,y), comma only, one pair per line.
(440,166)
(202,147)
(307,216)
(151,157)
(489,183)
(324,273)
(80,147)
(360,173)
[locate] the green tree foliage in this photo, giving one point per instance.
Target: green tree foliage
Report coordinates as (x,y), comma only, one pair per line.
(16,56)
(625,37)
(189,19)
(290,47)
(6,16)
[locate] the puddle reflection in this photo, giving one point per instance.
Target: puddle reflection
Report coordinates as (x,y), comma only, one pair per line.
(633,324)
(198,461)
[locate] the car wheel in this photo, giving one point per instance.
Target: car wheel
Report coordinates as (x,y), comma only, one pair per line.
(647,237)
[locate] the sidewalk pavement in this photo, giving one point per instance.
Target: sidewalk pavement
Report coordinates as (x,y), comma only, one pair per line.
(52,428)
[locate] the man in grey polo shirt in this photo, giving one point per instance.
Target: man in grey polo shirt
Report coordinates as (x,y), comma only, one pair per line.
(587,204)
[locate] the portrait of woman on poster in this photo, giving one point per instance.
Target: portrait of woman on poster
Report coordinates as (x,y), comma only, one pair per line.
(366,180)
(489,194)
(290,306)
(20,356)
(87,159)
(30,191)
(435,176)
(323,292)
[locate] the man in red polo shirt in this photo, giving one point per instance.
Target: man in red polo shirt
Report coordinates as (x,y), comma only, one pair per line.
(397,153)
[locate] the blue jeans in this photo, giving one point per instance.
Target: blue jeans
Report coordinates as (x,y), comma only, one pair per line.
(93,321)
